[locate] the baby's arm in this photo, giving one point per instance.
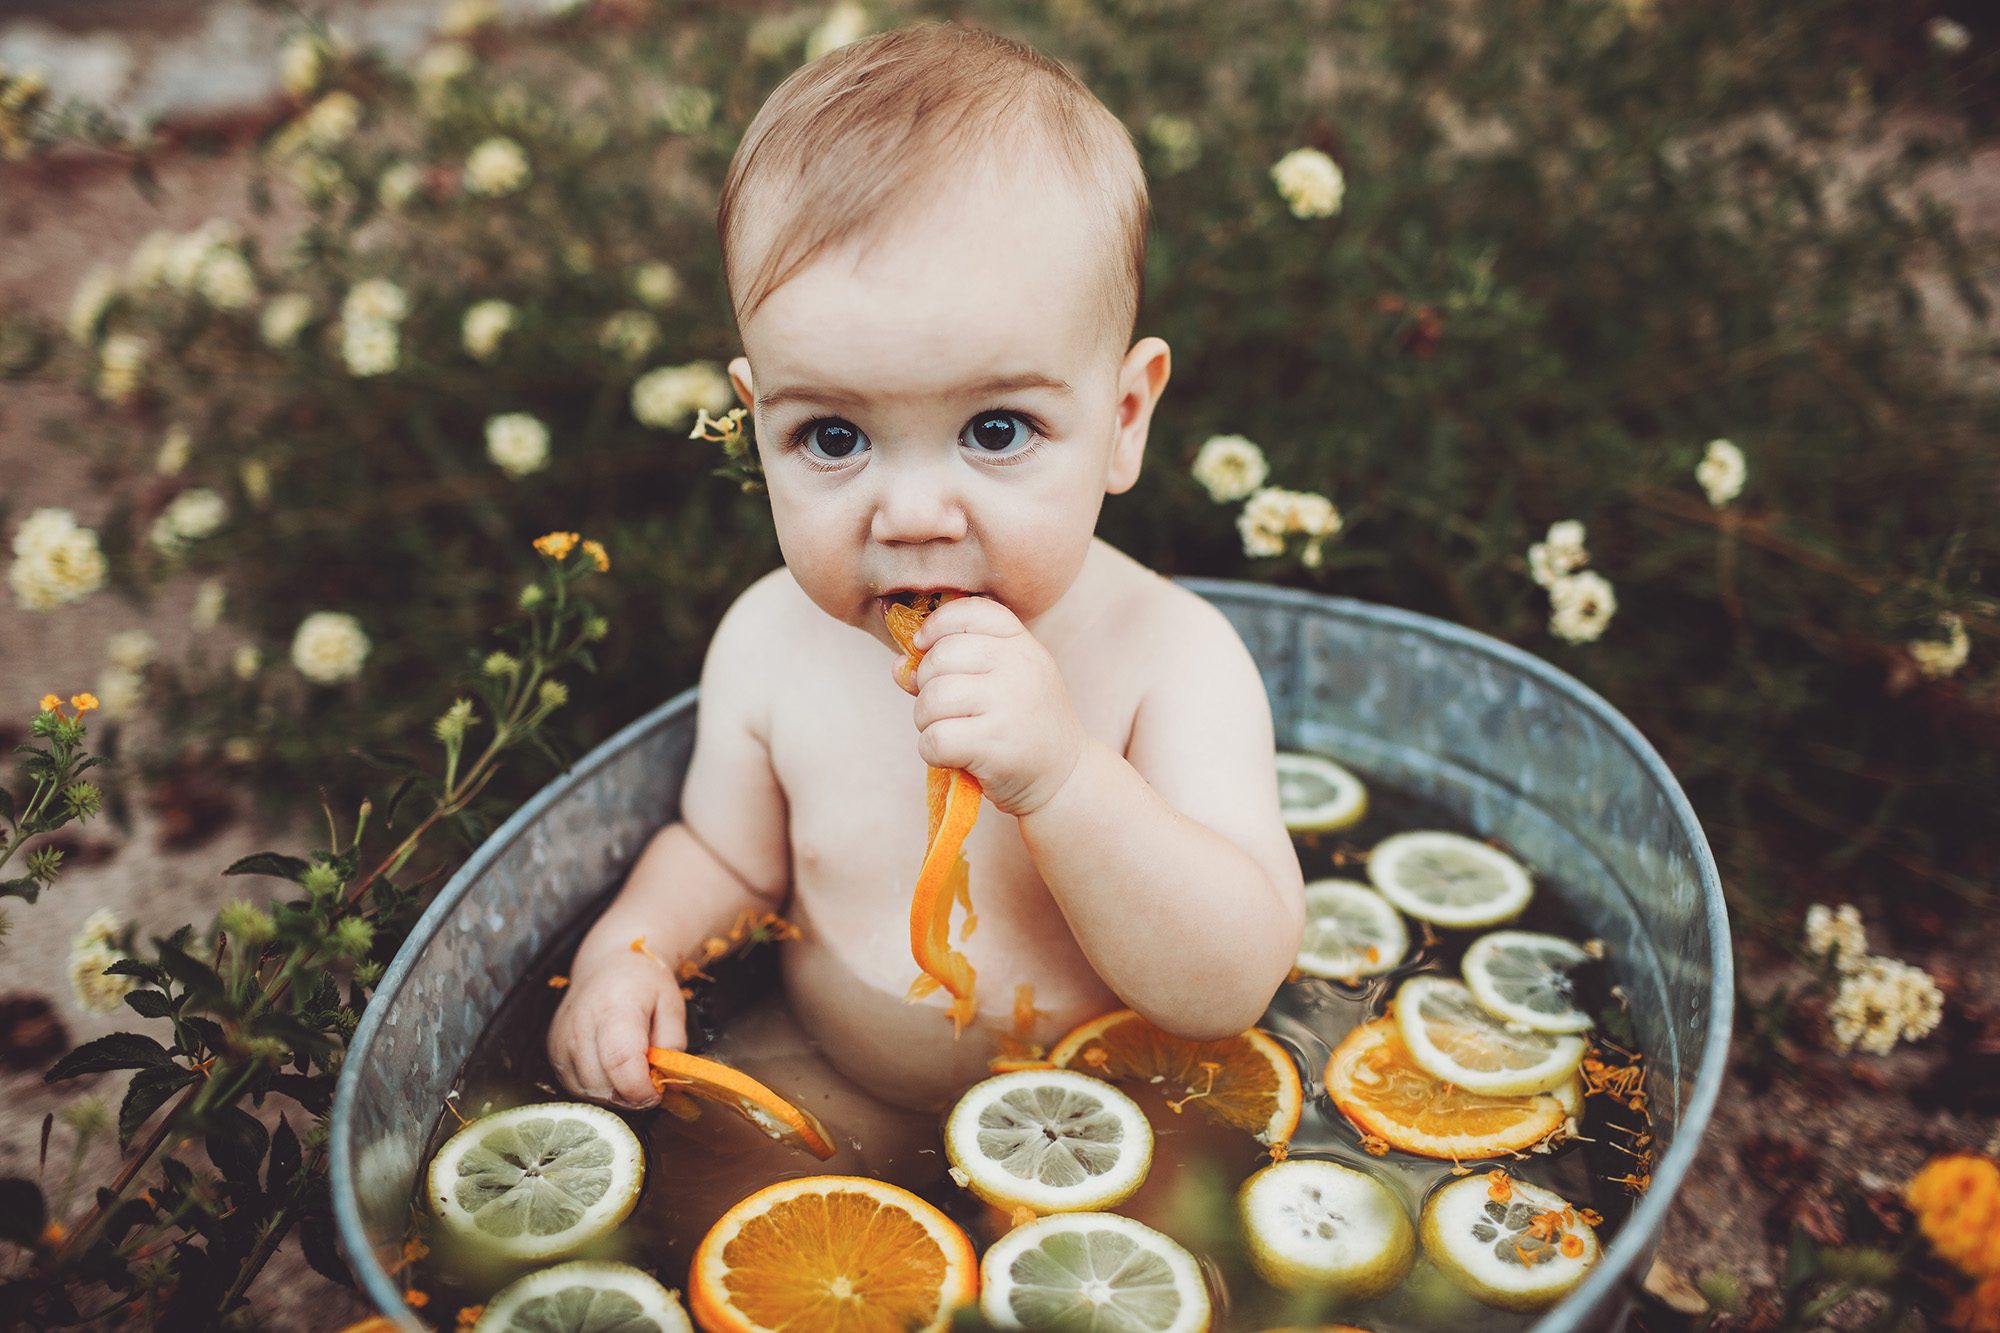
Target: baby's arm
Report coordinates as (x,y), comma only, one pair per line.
(726,854)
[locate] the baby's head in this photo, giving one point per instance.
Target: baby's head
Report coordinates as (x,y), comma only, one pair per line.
(934,241)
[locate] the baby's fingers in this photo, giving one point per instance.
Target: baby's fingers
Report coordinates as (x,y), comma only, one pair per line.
(616,1070)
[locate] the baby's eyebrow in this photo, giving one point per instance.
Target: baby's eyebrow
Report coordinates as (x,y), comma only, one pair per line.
(993,384)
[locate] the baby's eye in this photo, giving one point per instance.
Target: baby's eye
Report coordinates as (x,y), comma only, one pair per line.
(832,439)
(998,434)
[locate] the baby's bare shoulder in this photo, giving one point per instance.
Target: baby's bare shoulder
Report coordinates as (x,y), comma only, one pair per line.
(751,644)
(1179,633)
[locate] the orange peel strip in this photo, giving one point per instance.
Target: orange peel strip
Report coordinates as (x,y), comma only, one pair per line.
(678,1075)
(952,796)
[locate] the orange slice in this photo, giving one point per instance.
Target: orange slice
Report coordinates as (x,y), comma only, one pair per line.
(1377,1085)
(838,1254)
(1248,1081)
(677,1072)
(952,795)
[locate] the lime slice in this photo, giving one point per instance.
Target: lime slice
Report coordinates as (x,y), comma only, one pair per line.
(1318,795)
(1095,1271)
(1048,1140)
(1324,1226)
(584,1297)
(1519,1247)
(1351,931)
(1452,1037)
(1523,977)
(1448,879)
(537,1182)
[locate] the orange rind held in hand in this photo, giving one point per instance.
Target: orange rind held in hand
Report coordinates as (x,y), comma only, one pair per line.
(1247,1081)
(952,796)
(679,1075)
(1378,1085)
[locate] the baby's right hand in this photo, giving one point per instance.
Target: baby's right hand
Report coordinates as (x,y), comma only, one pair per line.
(616,1006)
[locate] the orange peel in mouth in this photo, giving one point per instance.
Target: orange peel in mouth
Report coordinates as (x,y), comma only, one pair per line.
(679,1076)
(952,797)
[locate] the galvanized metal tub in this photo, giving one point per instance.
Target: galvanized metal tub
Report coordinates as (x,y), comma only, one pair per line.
(1512,746)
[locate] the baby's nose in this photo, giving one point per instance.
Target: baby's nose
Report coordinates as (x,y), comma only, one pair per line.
(918,505)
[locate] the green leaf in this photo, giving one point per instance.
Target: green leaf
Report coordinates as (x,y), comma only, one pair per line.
(236,1144)
(275,864)
(25,887)
(389,760)
(137,967)
(22,1211)
(149,1087)
(207,1031)
(200,979)
(316,1239)
(149,1003)
(1801,1260)
(120,1050)
(7,805)
(284,1162)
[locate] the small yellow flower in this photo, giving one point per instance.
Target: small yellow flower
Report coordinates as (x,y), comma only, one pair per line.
(557,545)
(598,556)
(51,702)
(83,703)
(1957,1202)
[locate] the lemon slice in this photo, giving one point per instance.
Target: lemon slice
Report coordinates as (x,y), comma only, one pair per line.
(1324,1226)
(1519,1247)
(1351,931)
(1449,879)
(1095,1271)
(537,1182)
(1523,977)
(584,1297)
(1452,1037)
(1318,795)
(1048,1140)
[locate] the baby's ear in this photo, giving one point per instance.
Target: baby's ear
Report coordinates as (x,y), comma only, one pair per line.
(739,375)
(1142,377)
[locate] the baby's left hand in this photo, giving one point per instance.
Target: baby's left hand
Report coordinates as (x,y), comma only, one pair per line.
(991,701)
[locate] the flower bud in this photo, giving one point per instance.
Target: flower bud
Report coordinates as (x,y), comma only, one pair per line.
(246,924)
(501,664)
(84,799)
(531,596)
(321,880)
(353,937)
(450,728)
(595,628)
(553,694)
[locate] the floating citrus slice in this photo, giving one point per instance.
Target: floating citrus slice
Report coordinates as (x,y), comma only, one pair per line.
(1248,1081)
(832,1252)
(713,1081)
(1448,879)
(1050,1141)
(1327,1227)
(1095,1271)
(1523,977)
(1507,1242)
(1351,931)
(1318,795)
(951,798)
(1456,1039)
(1387,1095)
(537,1182)
(584,1297)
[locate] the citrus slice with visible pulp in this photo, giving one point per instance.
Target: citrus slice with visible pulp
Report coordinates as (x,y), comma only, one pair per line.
(1509,1243)
(537,1182)
(1327,1227)
(1377,1085)
(1351,932)
(951,798)
(1095,1271)
(584,1297)
(1048,1140)
(1456,1039)
(1523,977)
(713,1081)
(1318,795)
(1248,1081)
(1449,879)
(832,1252)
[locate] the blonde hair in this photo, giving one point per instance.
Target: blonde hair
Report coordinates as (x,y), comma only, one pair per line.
(861,137)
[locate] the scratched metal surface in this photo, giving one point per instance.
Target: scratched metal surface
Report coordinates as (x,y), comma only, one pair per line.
(1516,748)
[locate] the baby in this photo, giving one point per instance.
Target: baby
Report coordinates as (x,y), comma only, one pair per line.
(934,241)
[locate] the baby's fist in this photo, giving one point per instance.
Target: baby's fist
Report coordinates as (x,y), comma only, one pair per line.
(616,1006)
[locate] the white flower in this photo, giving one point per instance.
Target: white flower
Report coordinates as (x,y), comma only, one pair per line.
(1581,606)
(329,647)
(496,167)
(148,265)
(1938,659)
(845,22)
(131,649)
(1561,552)
(442,64)
(121,365)
(55,561)
(285,317)
(93,950)
(376,299)
(1272,514)
(1881,1001)
(1721,472)
(671,395)
(1947,36)
(120,692)
(174,451)
(1836,933)
(517,443)
(369,346)
(246,662)
(1311,183)
(629,334)
(301,60)
(1229,467)
(399,184)
(226,280)
(1178,140)
(485,325)
(191,516)
(93,297)
(656,284)
(464,17)
(209,599)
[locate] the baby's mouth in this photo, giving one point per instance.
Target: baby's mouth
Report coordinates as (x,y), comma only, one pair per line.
(921,600)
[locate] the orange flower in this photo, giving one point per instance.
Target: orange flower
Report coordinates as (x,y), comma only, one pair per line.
(1978,1311)
(83,703)
(1572,1245)
(557,545)
(1499,1187)
(1957,1202)
(558,982)
(51,703)
(598,556)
